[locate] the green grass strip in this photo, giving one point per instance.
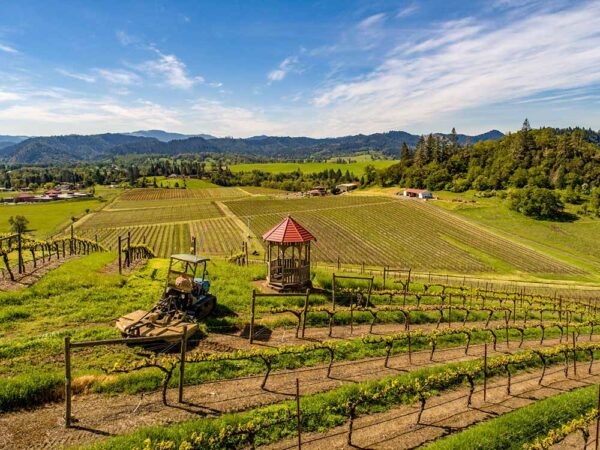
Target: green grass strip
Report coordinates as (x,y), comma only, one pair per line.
(513,430)
(319,411)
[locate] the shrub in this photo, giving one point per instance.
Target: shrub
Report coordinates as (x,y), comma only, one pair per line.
(540,203)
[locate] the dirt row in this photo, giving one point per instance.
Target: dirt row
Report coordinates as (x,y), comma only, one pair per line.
(286,336)
(445,414)
(32,275)
(99,416)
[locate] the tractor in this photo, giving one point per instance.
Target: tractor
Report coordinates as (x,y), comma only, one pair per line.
(185,301)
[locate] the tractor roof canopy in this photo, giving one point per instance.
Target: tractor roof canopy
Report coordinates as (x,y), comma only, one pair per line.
(189,258)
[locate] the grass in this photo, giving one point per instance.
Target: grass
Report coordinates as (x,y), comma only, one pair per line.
(46,219)
(190,183)
(356,168)
(522,426)
(578,238)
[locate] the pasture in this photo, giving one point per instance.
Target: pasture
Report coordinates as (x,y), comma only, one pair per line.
(357,168)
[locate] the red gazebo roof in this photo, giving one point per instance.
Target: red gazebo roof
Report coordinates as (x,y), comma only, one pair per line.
(287,232)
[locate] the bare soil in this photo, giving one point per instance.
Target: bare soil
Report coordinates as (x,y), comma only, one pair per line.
(99,416)
(32,275)
(445,414)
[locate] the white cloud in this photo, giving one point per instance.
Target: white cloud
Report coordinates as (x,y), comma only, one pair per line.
(371,21)
(118,76)
(172,69)
(407,10)
(223,120)
(75,113)
(8,96)
(455,70)
(78,76)
(126,39)
(285,67)
(8,49)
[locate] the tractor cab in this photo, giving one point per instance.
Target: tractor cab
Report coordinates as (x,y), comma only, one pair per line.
(185,300)
(187,286)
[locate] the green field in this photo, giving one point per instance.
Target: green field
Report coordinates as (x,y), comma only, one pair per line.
(357,168)
(578,238)
(46,219)
(189,183)
(376,229)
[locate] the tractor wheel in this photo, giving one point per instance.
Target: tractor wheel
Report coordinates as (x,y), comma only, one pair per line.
(206,307)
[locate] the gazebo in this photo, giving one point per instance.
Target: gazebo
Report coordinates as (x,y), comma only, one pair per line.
(288,255)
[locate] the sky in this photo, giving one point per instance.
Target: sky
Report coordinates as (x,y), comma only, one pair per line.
(298,68)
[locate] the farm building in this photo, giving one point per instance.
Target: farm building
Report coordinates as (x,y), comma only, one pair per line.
(317,191)
(288,255)
(23,198)
(345,187)
(417,193)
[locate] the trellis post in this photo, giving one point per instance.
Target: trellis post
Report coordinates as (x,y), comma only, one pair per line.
(182,362)
(119,250)
(128,259)
(67,382)
(485,352)
(298,417)
(251,331)
(305,312)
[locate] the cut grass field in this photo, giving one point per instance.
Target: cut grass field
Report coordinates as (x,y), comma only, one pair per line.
(46,219)
(356,168)
(578,237)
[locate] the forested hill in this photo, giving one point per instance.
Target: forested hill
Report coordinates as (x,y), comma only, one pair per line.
(543,158)
(73,148)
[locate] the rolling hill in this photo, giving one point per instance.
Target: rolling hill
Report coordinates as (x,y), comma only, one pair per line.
(73,148)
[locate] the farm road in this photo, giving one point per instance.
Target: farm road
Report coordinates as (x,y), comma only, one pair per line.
(101,416)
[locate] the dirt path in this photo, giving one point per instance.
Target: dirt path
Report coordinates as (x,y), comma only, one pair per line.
(286,336)
(100,416)
(445,414)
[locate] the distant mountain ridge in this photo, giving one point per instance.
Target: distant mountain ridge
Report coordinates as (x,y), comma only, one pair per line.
(166,136)
(74,148)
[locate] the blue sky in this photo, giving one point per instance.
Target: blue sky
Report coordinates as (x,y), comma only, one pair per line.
(316,68)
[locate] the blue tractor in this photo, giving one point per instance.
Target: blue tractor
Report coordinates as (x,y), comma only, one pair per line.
(185,300)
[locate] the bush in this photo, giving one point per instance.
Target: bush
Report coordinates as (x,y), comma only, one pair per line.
(540,203)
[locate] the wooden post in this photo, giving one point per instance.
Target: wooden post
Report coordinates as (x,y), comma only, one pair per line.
(598,420)
(72,232)
(305,312)
(246,249)
(574,356)
(485,351)
(182,362)
(506,323)
(408,280)
(384,272)
(409,349)
(298,417)
(119,250)
(20,253)
(333,293)
(67,382)
(338,263)
(351,313)
(128,248)
(251,332)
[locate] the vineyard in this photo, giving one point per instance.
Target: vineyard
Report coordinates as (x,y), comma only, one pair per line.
(379,230)
(369,355)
